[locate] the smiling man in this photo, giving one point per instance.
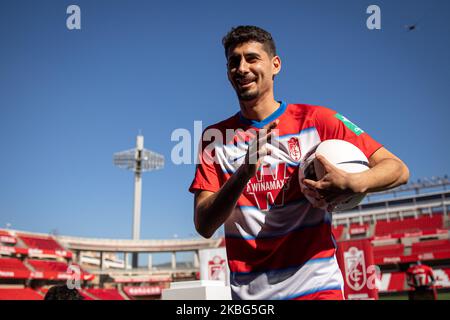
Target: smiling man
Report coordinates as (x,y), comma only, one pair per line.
(278,245)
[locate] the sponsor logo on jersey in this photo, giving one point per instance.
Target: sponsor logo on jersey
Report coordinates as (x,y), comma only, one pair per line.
(353,127)
(268,186)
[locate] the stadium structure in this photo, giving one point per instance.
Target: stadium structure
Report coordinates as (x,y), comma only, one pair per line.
(404,225)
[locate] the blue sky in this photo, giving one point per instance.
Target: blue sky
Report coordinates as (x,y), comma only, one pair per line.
(70,99)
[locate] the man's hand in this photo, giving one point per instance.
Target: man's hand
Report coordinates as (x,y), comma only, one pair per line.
(257,150)
(334,187)
(386,172)
(212,209)
(334,179)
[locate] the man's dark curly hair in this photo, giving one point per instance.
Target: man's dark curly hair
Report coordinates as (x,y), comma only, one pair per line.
(242,34)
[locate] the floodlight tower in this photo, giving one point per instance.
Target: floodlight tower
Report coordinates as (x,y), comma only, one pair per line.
(138,160)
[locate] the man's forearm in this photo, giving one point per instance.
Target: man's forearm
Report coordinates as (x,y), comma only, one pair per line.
(216,209)
(387,174)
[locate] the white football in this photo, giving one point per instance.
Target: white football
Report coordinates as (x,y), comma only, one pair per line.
(343,155)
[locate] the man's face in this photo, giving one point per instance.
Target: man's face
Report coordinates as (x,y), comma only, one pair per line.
(251,70)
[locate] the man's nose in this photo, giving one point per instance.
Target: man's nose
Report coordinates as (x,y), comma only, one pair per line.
(243,67)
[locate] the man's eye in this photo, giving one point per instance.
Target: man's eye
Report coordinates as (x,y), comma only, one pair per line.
(232,64)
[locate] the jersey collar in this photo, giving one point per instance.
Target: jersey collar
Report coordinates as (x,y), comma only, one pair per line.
(262,123)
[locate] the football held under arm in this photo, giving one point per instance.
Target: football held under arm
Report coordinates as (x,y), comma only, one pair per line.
(386,170)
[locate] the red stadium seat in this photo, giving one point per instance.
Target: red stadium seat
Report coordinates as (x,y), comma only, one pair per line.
(19,294)
(430,246)
(47,243)
(105,294)
(44,265)
(11,264)
(55,269)
(392,250)
(409,225)
(13,268)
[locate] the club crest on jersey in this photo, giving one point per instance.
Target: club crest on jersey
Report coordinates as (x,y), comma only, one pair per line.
(294,149)
(355,268)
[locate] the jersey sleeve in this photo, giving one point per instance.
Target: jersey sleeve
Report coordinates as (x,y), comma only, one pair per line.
(332,125)
(206,172)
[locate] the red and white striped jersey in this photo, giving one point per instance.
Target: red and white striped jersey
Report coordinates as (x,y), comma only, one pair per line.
(278,245)
(420,276)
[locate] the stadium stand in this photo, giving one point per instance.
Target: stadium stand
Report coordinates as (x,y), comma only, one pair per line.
(48,266)
(409,225)
(19,294)
(358,229)
(7,238)
(13,268)
(405,225)
(47,243)
(104,294)
(389,250)
(430,246)
(51,270)
(391,253)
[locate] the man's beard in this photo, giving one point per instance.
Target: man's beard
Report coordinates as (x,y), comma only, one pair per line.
(248,95)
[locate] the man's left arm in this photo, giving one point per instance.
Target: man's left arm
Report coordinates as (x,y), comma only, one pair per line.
(386,172)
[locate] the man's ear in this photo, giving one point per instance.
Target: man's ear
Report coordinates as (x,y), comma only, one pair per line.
(276,65)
